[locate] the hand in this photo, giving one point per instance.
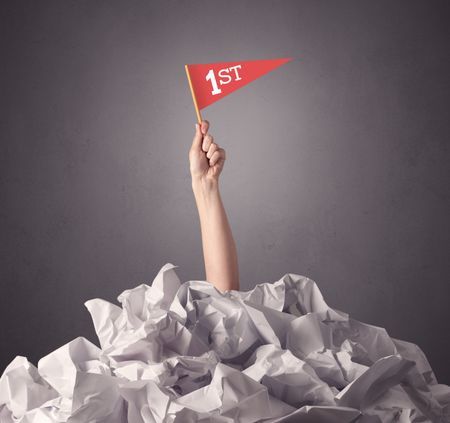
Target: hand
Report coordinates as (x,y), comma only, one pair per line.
(205,156)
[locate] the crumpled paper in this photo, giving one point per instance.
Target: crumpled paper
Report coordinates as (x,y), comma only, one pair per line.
(186,353)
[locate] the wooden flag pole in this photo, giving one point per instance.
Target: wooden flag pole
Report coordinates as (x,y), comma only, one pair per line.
(197,111)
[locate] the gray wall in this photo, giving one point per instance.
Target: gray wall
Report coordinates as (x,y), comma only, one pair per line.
(337,162)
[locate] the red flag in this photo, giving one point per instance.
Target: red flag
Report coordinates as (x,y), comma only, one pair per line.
(212,81)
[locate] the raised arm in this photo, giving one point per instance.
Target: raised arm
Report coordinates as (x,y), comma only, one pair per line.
(219,250)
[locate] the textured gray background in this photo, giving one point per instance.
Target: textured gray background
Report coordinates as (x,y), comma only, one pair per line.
(337,162)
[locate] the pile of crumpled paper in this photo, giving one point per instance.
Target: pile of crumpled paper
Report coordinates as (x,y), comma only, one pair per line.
(188,353)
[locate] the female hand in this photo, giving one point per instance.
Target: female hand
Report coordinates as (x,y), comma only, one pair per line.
(206,158)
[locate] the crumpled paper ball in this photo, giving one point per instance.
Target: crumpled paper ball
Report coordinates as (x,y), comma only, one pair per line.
(185,352)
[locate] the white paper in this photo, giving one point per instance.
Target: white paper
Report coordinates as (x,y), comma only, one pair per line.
(185,352)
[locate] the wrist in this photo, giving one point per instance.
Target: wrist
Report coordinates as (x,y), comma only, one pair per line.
(206,193)
(204,185)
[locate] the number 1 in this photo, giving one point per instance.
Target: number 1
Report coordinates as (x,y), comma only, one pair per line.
(211,77)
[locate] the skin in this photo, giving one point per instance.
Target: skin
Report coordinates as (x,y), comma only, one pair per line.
(206,161)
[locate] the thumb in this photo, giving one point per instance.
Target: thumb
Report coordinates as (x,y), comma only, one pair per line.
(198,138)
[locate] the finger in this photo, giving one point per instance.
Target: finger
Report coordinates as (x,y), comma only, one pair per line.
(204,126)
(208,139)
(217,155)
(198,138)
(223,155)
(212,148)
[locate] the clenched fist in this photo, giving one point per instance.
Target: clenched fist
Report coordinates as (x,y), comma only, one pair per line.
(206,158)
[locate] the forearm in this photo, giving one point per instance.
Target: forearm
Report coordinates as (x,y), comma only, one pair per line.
(219,249)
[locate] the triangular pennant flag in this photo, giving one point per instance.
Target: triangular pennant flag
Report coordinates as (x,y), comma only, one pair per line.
(212,81)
